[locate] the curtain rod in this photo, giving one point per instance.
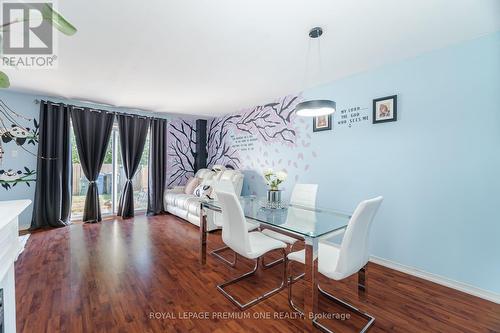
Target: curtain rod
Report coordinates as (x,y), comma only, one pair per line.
(37,101)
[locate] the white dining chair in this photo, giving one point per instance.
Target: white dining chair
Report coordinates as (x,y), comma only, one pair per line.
(225,185)
(251,245)
(303,196)
(351,257)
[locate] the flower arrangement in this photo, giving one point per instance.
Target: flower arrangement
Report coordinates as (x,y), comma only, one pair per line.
(274,179)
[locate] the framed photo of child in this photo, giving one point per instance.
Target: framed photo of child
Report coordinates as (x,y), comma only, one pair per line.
(322,123)
(385,109)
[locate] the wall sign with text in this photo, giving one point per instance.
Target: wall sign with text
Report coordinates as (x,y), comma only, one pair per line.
(352,116)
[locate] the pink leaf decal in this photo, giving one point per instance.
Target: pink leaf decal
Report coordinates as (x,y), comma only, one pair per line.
(306,167)
(300,156)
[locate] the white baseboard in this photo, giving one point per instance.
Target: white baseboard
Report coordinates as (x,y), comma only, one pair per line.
(463,287)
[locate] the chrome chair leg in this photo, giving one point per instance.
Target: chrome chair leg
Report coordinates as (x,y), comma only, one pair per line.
(290,282)
(365,315)
(362,279)
(316,323)
(272,263)
(277,261)
(216,254)
(254,301)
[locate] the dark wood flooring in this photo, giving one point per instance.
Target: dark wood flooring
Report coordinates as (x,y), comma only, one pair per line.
(143,275)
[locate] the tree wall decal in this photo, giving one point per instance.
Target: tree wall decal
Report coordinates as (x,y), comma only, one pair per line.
(270,123)
(181,150)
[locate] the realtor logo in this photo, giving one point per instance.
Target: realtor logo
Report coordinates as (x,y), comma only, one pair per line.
(27,35)
(31,34)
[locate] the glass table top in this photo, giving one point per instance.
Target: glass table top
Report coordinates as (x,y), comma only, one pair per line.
(305,221)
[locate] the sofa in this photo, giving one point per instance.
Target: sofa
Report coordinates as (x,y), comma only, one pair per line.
(187,206)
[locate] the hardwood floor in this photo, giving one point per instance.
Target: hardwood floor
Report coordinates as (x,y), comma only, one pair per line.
(137,275)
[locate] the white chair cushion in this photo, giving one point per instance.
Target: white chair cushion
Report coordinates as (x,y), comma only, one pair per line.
(251,226)
(279,236)
(261,244)
(328,255)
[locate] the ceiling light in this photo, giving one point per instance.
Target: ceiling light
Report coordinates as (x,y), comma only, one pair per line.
(319,107)
(315,108)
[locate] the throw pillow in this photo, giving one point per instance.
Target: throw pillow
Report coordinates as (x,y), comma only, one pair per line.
(191,185)
(203,191)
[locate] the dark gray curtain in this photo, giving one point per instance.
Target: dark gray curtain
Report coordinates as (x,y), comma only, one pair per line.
(133,131)
(92,133)
(157,165)
(52,203)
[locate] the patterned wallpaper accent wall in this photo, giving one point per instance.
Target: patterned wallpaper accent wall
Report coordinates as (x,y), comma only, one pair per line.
(19,138)
(264,136)
(181,150)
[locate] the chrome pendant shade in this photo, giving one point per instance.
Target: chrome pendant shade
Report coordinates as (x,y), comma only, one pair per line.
(315,108)
(319,107)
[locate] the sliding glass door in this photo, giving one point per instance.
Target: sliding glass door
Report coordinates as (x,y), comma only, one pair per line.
(139,181)
(110,181)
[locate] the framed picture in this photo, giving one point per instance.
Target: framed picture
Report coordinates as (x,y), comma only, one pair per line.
(385,109)
(322,123)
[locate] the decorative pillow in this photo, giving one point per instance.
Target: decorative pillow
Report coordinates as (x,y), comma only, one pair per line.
(203,191)
(191,185)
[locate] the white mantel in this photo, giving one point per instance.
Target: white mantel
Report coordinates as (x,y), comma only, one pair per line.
(9,250)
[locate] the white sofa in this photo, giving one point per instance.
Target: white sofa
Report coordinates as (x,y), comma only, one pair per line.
(187,206)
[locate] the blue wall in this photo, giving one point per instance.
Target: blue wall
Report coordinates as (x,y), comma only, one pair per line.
(24,104)
(437,166)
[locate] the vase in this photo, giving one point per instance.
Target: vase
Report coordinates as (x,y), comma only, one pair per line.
(274,196)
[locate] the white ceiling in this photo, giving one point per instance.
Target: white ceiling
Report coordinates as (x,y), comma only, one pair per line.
(210,57)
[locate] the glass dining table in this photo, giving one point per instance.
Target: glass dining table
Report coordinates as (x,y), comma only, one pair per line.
(304,223)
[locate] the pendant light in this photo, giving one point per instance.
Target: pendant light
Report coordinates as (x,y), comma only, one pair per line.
(318,107)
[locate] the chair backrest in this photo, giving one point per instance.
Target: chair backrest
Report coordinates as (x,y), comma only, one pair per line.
(234,176)
(354,249)
(304,195)
(222,185)
(234,229)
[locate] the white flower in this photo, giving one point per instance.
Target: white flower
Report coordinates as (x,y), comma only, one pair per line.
(268,172)
(281,175)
